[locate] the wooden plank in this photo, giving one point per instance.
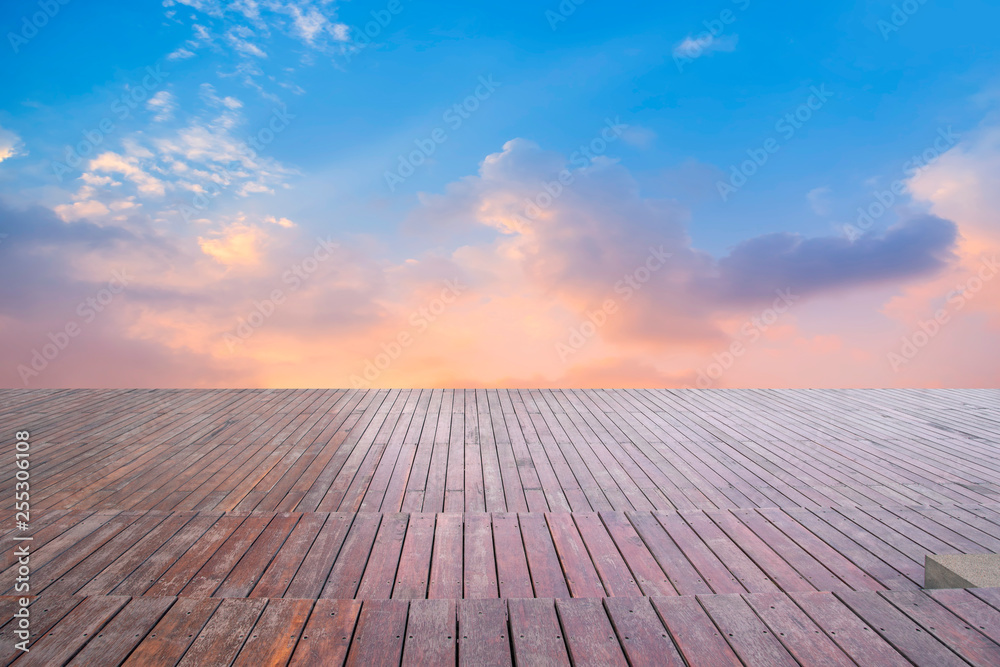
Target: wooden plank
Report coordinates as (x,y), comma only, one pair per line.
(431,633)
(581,575)
(76,628)
(225,558)
(611,567)
(589,635)
(514,498)
(480,575)
(713,571)
(681,573)
(432,498)
(789,565)
(693,632)
(847,630)
(345,577)
(454,494)
(177,577)
(482,632)
(752,641)
(62,553)
(76,577)
(495,483)
(327,635)
(746,556)
(536,633)
(414,571)
(793,628)
(279,574)
(224,634)
(393,465)
(474,487)
(380,574)
(311,576)
(834,561)
(543,563)
(446,561)
(167,642)
(113,644)
(244,576)
(649,576)
(421,438)
(159,562)
(949,629)
(906,636)
(991,596)
(276,633)
(641,632)
(44,614)
(379,636)
(513,576)
(845,544)
(973,610)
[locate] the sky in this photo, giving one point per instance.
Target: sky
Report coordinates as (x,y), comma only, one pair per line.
(393,193)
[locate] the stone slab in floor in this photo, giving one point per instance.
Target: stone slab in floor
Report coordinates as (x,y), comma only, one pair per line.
(962,571)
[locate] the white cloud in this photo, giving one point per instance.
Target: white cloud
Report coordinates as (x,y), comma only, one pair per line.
(162,104)
(181,54)
(93,179)
(10,145)
(81,209)
(819,200)
(695,47)
(283,222)
(638,136)
(114,163)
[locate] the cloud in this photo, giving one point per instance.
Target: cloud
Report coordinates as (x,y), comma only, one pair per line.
(281,222)
(128,167)
(238,244)
(247,27)
(705,44)
(756,268)
(10,145)
(162,104)
(204,156)
(639,136)
(81,209)
(535,262)
(819,200)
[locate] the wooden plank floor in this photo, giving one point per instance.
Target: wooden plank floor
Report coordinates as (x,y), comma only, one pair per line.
(392,556)
(817,628)
(503,526)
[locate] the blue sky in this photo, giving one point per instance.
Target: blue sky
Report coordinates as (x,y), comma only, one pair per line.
(694,104)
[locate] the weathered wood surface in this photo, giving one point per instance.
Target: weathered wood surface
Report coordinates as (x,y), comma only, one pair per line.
(452,526)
